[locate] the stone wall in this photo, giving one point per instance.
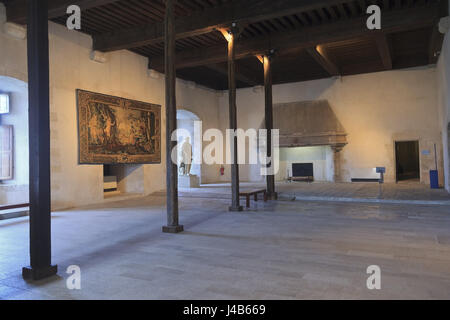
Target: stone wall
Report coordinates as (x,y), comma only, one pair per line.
(375,109)
(124,74)
(443,76)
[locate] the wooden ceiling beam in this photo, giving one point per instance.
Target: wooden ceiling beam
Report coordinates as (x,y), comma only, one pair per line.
(437,38)
(394,21)
(435,45)
(242,74)
(205,21)
(384,49)
(16,11)
(322,57)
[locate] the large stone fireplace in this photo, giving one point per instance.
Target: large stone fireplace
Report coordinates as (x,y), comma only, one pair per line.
(309,124)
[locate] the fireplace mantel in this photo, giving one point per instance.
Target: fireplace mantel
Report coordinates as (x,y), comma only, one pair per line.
(308,123)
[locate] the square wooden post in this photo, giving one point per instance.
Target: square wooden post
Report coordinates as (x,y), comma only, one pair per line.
(171,121)
(235,201)
(267,60)
(39,143)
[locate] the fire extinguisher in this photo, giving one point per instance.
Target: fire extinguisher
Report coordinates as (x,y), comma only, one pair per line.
(222,170)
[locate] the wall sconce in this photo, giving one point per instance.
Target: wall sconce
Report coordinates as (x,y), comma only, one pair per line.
(4,103)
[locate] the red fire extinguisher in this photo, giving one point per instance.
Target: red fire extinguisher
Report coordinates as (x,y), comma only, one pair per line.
(222,170)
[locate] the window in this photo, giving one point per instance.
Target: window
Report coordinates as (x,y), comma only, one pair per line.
(6,152)
(4,103)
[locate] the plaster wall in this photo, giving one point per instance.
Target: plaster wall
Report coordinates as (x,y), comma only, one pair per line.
(124,74)
(443,78)
(375,109)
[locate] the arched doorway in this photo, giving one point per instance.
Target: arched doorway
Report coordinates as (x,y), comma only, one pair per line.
(186,122)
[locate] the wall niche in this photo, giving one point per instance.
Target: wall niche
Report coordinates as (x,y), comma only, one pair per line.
(123,179)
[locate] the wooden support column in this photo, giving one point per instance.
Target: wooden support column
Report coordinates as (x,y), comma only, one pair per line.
(39,137)
(171,121)
(267,60)
(230,36)
(235,204)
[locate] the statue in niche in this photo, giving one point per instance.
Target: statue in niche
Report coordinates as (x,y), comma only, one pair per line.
(186,158)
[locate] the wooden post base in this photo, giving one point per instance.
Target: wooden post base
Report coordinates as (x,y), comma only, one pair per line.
(172,229)
(237,209)
(272,196)
(30,274)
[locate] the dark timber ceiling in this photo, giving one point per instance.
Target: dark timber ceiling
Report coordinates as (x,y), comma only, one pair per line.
(294,29)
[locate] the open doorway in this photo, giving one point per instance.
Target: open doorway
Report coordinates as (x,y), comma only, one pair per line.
(186,125)
(407,160)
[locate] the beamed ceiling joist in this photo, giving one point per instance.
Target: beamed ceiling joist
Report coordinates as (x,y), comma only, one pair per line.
(296,29)
(243,12)
(242,74)
(16,11)
(307,37)
(322,57)
(384,48)
(435,44)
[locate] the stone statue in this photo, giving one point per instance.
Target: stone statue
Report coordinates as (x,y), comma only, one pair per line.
(186,157)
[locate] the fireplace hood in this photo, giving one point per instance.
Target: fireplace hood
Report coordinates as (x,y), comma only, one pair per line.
(308,123)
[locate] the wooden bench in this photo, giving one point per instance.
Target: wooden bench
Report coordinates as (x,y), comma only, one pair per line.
(14,206)
(254,193)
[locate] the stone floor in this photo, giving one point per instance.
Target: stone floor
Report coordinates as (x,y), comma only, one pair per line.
(394,191)
(357,192)
(276,250)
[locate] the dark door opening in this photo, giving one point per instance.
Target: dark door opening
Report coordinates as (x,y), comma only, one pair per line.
(407,160)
